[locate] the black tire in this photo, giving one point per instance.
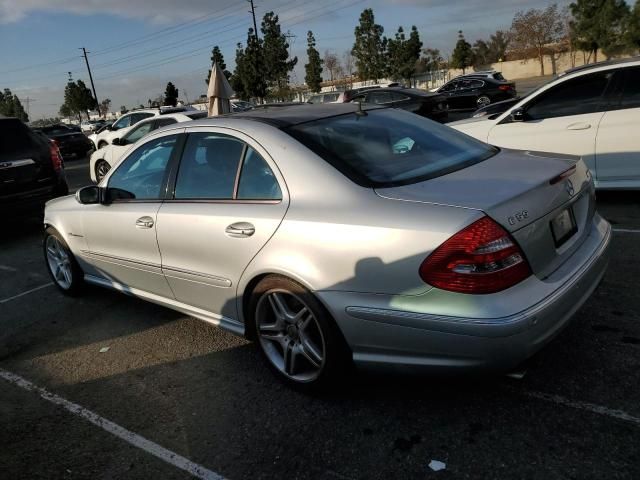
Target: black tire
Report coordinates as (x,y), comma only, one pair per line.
(101,169)
(76,282)
(337,358)
(483,101)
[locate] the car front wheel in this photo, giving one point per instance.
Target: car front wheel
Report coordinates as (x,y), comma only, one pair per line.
(296,335)
(102,168)
(61,264)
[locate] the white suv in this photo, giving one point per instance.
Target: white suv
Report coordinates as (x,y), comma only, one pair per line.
(591,111)
(128,120)
(103,159)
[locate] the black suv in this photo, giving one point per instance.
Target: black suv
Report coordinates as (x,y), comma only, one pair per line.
(31,169)
(470,93)
(426,104)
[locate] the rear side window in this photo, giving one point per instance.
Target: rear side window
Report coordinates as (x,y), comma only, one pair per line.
(389,147)
(138,132)
(209,167)
(257,181)
(577,96)
(631,90)
(379,98)
(15,137)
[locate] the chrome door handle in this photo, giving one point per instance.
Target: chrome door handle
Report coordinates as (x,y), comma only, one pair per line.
(240,230)
(144,222)
(579,126)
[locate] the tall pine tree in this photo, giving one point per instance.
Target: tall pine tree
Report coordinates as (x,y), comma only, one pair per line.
(313,69)
(369,48)
(462,56)
(403,54)
(277,63)
(217,57)
(599,24)
(170,95)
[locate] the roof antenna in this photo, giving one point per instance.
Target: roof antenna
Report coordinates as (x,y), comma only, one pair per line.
(359,111)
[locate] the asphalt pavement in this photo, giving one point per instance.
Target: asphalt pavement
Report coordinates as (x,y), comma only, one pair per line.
(173,397)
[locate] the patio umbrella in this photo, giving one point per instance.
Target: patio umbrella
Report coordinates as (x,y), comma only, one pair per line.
(219,92)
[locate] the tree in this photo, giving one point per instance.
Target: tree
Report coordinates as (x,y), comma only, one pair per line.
(599,24)
(369,47)
(313,69)
(276,61)
(403,54)
(535,29)
(170,95)
(462,56)
(486,52)
(104,106)
(248,78)
(217,57)
(633,27)
(77,100)
(11,106)
(331,63)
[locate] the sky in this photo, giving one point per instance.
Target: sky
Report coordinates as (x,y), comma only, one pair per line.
(137,46)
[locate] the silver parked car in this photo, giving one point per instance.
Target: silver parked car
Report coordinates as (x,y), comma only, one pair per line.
(334,234)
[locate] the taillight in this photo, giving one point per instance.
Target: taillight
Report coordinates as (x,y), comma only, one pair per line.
(505,88)
(56,157)
(481,258)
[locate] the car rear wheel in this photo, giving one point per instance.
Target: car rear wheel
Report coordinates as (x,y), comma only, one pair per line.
(102,168)
(296,335)
(61,264)
(483,101)
(102,144)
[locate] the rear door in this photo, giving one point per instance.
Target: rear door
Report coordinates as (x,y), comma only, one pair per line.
(618,142)
(563,119)
(228,201)
(25,159)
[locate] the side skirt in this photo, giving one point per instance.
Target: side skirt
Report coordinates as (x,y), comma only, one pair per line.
(228,324)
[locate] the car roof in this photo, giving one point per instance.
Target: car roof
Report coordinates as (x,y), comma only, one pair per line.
(282,117)
(606,63)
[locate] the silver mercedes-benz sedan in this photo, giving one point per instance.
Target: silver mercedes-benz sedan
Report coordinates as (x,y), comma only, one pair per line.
(337,234)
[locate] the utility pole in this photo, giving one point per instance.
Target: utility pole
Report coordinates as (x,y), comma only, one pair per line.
(253,14)
(93,87)
(28,101)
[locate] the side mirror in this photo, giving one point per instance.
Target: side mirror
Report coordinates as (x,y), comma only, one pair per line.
(89,195)
(116,141)
(517,115)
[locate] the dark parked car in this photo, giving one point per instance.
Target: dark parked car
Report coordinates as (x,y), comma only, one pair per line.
(470,93)
(69,141)
(31,168)
(426,104)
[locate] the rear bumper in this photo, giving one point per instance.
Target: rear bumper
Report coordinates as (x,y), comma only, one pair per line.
(381,335)
(31,202)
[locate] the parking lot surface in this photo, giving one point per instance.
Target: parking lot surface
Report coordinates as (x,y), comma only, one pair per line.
(205,396)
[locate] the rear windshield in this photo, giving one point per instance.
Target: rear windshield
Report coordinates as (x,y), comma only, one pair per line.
(498,76)
(389,147)
(14,137)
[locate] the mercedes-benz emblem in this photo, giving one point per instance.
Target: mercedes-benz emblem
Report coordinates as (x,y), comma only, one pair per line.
(568,186)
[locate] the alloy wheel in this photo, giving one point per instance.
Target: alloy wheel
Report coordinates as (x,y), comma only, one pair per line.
(483,101)
(59,262)
(102,169)
(290,335)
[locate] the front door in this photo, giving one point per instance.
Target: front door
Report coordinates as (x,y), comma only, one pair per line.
(227,204)
(563,119)
(121,235)
(618,142)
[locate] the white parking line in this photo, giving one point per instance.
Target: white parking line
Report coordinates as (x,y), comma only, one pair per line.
(132,438)
(625,230)
(590,407)
(5,300)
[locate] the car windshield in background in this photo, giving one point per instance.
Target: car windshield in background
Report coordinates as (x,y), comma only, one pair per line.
(390,147)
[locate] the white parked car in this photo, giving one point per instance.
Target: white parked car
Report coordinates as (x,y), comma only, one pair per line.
(118,128)
(105,158)
(591,111)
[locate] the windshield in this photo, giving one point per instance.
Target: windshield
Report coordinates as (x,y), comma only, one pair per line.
(389,147)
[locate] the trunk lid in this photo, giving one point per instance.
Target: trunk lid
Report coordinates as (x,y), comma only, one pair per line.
(546,201)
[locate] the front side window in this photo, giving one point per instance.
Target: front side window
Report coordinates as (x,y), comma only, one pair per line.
(577,96)
(389,147)
(209,167)
(141,175)
(137,133)
(257,181)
